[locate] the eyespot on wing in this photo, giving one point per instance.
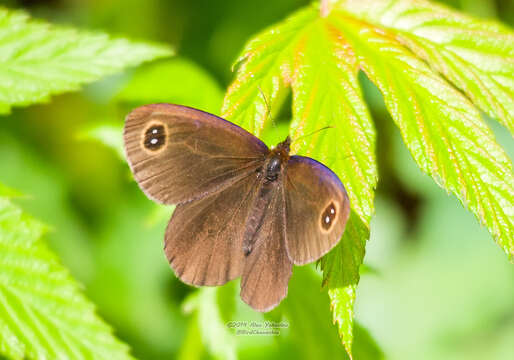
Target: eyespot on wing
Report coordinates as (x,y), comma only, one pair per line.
(317,209)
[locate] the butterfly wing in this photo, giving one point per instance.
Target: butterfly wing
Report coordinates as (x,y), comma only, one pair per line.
(178,154)
(267,268)
(317,209)
(204,238)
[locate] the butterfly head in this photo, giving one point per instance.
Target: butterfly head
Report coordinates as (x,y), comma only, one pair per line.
(278,156)
(284,146)
(281,151)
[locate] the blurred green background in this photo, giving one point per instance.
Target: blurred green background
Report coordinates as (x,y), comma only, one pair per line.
(436,285)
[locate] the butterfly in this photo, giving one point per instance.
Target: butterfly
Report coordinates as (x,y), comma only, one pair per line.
(242,209)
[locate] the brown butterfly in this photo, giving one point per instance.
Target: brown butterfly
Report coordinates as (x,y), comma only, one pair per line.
(242,209)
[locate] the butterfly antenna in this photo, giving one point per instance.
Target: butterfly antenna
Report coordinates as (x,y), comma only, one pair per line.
(268,107)
(314,132)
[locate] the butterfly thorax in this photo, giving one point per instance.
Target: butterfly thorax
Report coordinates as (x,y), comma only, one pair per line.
(277,157)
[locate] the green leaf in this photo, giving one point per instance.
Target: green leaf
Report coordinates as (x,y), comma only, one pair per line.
(475,55)
(319,58)
(308,314)
(38,59)
(326,92)
(442,129)
(341,276)
(8,193)
(366,347)
(109,135)
(304,52)
(43,314)
(220,342)
(179,81)
(264,67)
(192,348)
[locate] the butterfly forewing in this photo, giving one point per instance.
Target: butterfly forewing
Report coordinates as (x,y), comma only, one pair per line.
(317,209)
(178,154)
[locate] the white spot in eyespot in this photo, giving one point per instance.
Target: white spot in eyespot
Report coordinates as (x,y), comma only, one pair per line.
(154,131)
(154,141)
(327,219)
(332,211)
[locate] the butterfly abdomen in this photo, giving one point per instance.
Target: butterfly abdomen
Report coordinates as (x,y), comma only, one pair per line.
(261,203)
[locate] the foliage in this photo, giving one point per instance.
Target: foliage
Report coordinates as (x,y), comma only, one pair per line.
(38,59)
(319,57)
(107,134)
(475,56)
(155,83)
(444,132)
(43,313)
(435,68)
(7,192)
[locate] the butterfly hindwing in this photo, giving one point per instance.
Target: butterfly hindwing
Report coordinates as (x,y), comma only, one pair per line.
(267,267)
(317,209)
(204,238)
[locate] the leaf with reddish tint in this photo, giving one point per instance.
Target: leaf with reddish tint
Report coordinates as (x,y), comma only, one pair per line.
(317,56)
(307,54)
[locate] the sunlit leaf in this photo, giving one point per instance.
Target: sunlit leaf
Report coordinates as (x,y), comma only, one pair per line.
(264,67)
(319,56)
(305,53)
(43,314)
(326,92)
(475,55)
(38,59)
(109,135)
(442,129)
(341,275)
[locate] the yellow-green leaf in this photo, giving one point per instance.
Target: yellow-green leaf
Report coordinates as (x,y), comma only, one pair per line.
(475,55)
(417,53)
(443,130)
(307,54)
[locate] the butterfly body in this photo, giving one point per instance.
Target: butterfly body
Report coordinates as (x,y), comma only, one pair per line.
(277,159)
(243,210)
(268,185)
